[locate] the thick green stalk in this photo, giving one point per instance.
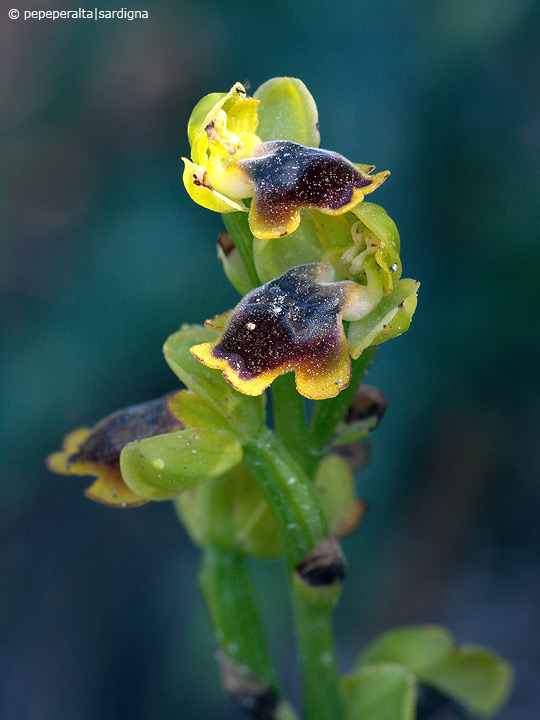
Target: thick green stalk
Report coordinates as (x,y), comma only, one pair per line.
(313,622)
(291,497)
(328,413)
(238,228)
(290,418)
(228,593)
(288,492)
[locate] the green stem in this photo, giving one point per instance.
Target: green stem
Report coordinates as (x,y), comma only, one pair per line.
(291,498)
(290,418)
(238,228)
(288,492)
(328,413)
(316,652)
(228,593)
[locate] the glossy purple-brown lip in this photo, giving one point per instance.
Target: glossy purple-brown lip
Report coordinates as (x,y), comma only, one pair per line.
(292,322)
(287,176)
(113,433)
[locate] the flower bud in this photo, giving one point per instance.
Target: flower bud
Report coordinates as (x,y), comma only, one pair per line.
(363,416)
(232,264)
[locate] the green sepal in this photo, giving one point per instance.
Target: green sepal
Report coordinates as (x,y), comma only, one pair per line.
(474,676)
(385,691)
(415,647)
(385,234)
(275,256)
(230,513)
(243,413)
(390,318)
(235,270)
(160,467)
(200,112)
(334,484)
(191,410)
(287,111)
(333,231)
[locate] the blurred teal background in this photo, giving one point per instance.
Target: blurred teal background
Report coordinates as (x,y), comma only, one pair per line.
(105,255)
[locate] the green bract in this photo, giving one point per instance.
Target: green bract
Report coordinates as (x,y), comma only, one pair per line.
(233,266)
(334,483)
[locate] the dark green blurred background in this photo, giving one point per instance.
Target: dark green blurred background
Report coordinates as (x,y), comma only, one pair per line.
(105,255)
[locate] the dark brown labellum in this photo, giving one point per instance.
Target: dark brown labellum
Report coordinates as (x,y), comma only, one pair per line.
(110,435)
(290,319)
(287,175)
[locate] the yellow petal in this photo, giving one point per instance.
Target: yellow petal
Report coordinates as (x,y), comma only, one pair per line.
(199,188)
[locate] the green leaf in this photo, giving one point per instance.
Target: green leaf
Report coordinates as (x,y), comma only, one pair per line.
(287,111)
(472,675)
(160,467)
(390,318)
(244,414)
(415,647)
(379,692)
